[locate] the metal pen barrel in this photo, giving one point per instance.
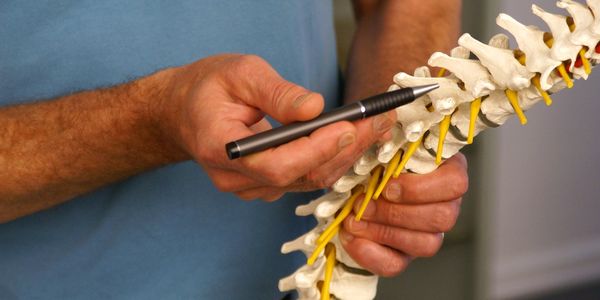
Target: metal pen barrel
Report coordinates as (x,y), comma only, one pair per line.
(288,133)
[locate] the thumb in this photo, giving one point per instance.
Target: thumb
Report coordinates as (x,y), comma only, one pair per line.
(286,102)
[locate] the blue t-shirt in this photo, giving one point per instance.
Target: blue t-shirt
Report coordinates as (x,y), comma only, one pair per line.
(167,233)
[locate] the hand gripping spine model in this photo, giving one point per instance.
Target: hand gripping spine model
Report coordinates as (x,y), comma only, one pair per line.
(473,95)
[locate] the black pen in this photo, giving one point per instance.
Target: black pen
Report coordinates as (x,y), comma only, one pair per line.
(351,112)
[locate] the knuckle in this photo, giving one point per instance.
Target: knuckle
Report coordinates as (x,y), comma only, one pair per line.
(245,67)
(445,217)
(245,196)
(318,181)
(386,234)
(392,214)
(431,246)
(280,92)
(392,266)
(460,156)
(222,185)
(249,60)
(272,197)
(460,184)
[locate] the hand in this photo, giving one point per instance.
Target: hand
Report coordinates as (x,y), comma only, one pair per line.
(410,221)
(224,98)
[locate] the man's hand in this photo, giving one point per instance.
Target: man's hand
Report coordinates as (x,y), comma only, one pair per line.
(410,221)
(224,98)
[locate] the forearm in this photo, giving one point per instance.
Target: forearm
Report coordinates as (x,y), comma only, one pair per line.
(55,150)
(394,36)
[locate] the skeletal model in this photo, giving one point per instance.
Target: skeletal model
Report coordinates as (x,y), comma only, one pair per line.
(475,95)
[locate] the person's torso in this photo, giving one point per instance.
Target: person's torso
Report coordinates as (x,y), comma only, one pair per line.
(167,233)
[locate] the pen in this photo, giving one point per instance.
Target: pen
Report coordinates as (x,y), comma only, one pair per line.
(355,111)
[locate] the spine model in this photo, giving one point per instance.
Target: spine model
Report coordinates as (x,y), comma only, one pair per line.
(474,94)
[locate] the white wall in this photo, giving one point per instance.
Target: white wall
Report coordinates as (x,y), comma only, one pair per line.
(541,226)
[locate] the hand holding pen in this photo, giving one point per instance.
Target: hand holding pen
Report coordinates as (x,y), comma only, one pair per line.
(229,102)
(355,111)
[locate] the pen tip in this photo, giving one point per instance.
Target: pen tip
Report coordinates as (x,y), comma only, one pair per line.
(419,91)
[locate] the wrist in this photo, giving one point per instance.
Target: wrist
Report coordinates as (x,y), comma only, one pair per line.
(155,94)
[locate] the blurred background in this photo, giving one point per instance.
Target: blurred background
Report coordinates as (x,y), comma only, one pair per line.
(530,225)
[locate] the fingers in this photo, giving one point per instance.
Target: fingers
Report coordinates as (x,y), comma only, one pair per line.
(262,125)
(268,194)
(448,182)
(413,243)
(433,218)
(318,159)
(257,84)
(378,259)
(423,207)
(230,181)
(283,165)
(368,132)
(317,164)
(244,187)
(325,175)
(375,129)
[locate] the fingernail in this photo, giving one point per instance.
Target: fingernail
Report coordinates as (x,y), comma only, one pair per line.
(355,226)
(345,237)
(382,123)
(300,100)
(346,139)
(393,192)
